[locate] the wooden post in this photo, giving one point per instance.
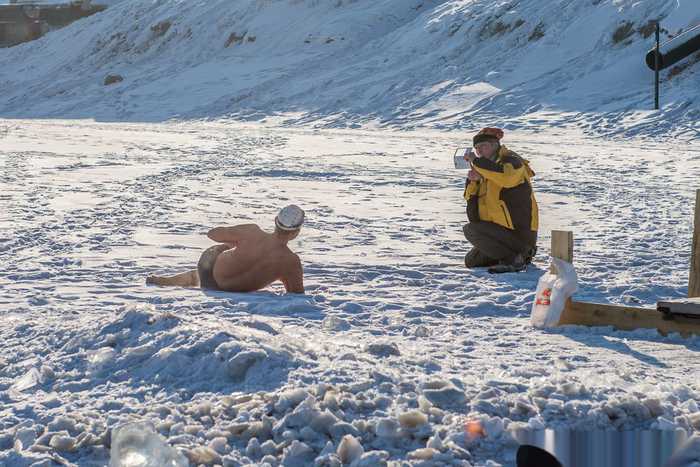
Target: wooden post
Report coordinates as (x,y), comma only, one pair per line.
(694,282)
(563,245)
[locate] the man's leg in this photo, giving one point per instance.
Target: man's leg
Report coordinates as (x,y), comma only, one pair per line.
(494,241)
(185,279)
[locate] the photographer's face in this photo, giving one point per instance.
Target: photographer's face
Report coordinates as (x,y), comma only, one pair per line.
(485,149)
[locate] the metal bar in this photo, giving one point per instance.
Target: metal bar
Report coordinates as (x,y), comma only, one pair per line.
(656,69)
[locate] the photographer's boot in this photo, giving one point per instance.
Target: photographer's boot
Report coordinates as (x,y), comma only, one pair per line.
(476,259)
(530,255)
(515,264)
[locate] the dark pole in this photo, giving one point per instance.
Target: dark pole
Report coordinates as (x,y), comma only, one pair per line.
(656,70)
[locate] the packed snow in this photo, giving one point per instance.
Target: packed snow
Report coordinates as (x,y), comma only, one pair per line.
(396,354)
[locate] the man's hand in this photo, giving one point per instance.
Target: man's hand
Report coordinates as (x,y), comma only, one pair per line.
(474,176)
(470,155)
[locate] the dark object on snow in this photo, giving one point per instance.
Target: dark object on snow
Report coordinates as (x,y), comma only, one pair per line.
(112,79)
(517,264)
(382,350)
(532,456)
(676,49)
(685,307)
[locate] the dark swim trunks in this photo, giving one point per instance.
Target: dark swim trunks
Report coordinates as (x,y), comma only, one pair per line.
(205,266)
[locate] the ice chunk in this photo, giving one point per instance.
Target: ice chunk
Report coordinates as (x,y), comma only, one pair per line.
(308,434)
(422,331)
(333,323)
(493,427)
(260,325)
(349,449)
(269,448)
(383,350)
(253,449)
(446,397)
(372,459)
(46,374)
(665,424)
(203,455)
(26,436)
(435,442)
(27,381)
(423,454)
(323,421)
(694,420)
(138,445)
(290,399)
(219,444)
(327,460)
(535,423)
(387,428)
(62,423)
(412,419)
(238,366)
(297,454)
(62,443)
(328,449)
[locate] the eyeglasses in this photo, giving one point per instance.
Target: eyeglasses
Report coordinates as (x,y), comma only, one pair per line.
(482,145)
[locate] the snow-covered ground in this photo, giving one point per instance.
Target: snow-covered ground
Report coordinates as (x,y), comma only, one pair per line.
(394,343)
(352,109)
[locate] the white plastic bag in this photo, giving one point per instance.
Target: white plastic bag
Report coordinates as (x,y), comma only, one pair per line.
(553,289)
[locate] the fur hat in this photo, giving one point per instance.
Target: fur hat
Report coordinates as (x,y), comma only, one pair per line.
(488,134)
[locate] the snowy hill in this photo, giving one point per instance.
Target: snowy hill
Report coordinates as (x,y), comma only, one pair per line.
(407,63)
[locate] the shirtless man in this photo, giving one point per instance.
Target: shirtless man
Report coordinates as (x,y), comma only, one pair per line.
(247,258)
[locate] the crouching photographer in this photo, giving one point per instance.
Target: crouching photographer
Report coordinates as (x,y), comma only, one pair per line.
(501,206)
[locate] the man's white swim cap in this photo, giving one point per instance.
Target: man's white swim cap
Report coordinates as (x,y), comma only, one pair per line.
(290,218)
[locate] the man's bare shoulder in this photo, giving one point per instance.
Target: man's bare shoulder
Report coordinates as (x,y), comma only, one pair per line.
(249,227)
(291,259)
(249,230)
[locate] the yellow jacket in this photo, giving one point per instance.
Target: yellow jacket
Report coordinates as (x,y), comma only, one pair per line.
(505,194)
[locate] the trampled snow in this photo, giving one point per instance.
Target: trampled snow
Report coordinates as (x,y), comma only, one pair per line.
(396,353)
(395,346)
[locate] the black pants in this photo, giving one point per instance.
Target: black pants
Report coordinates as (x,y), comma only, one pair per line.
(493,243)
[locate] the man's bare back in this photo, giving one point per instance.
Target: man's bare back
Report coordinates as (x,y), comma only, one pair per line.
(256,260)
(247,258)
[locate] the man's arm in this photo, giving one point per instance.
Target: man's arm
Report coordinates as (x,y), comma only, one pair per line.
(294,280)
(231,235)
(509,172)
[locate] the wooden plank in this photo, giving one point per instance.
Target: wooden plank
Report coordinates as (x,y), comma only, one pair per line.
(563,245)
(694,281)
(625,318)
